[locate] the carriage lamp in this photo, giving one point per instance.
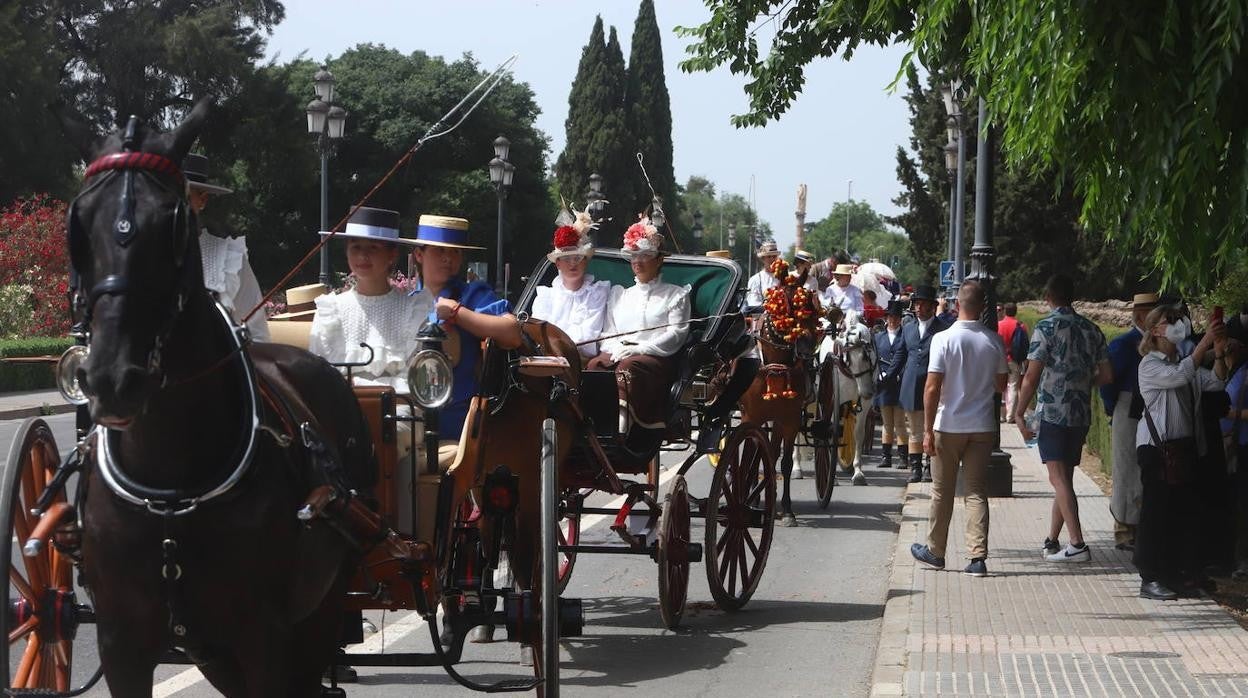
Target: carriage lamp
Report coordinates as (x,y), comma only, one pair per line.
(429,378)
(67,374)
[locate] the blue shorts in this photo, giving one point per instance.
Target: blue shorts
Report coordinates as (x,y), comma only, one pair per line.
(1059,443)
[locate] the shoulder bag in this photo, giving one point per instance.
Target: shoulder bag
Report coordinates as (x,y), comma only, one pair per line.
(1178,456)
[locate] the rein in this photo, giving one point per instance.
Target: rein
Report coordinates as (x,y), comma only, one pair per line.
(690,321)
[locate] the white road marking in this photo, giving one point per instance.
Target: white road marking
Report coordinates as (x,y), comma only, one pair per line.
(407,623)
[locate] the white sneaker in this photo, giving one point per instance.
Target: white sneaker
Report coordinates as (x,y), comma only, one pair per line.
(1071,554)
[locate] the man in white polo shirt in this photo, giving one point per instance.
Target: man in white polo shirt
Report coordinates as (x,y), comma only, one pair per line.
(967,367)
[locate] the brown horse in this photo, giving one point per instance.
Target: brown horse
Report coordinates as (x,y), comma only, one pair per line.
(779,392)
(194,480)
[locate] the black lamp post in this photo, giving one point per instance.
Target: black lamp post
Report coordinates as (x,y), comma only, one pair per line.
(501,174)
(732,235)
(953,96)
(595,200)
(951,166)
(697,231)
(326,121)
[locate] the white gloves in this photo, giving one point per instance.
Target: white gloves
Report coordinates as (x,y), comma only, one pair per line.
(626,350)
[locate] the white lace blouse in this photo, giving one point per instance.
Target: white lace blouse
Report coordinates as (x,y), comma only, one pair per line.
(388,323)
(648,305)
(228,273)
(580,313)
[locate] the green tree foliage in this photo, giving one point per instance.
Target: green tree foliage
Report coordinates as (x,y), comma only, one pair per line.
(1140,107)
(869,238)
(719,211)
(153,58)
(650,113)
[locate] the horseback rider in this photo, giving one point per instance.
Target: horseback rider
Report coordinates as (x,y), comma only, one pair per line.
(227,270)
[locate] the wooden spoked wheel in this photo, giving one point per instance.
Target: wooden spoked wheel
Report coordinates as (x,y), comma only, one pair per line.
(673,553)
(848,447)
(40,618)
(569,534)
(740,517)
(825,456)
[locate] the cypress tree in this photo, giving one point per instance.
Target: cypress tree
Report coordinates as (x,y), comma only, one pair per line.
(612,151)
(585,114)
(650,111)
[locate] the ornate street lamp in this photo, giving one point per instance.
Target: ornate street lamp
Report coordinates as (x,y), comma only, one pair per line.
(595,200)
(501,174)
(952,95)
(697,231)
(327,121)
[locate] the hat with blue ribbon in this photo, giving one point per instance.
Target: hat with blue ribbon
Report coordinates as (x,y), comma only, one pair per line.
(444,231)
(377,224)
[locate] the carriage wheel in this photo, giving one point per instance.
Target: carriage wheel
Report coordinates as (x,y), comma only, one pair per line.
(742,501)
(673,553)
(40,618)
(848,447)
(569,534)
(825,459)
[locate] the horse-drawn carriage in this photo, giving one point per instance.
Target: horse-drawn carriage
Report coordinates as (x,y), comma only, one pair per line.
(232,500)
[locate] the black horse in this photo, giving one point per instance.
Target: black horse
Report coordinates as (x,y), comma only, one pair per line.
(205,448)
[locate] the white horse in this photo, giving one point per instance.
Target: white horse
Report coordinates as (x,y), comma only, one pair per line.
(854,353)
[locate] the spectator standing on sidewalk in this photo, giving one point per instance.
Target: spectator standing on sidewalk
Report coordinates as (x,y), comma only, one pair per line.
(1121,398)
(916,343)
(1235,425)
(889,346)
(966,370)
(1171,388)
(1014,335)
(1066,357)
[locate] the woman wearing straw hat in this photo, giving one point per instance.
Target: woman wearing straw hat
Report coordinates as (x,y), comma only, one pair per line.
(656,314)
(843,294)
(574,302)
(227,271)
(470,308)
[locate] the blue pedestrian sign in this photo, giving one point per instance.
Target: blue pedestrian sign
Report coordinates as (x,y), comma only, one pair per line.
(946,273)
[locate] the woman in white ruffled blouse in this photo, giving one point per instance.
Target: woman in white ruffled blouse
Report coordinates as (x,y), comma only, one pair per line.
(656,316)
(574,302)
(385,318)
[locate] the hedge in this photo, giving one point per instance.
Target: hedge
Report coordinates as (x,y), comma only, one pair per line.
(30,376)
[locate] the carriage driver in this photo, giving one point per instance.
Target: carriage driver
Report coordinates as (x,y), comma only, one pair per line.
(756,288)
(574,302)
(470,311)
(227,271)
(643,360)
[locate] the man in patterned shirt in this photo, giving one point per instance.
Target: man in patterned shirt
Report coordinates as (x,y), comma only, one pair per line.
(1067,357)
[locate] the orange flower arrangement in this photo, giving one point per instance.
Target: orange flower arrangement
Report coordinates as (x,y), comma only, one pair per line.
(791,317)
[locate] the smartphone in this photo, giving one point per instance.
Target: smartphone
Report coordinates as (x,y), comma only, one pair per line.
(1217,313)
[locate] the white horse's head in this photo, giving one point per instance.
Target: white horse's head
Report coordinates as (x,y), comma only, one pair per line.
(858,351)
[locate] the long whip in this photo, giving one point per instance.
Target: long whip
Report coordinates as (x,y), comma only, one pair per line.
(690,321)
(654,196)
(437,130)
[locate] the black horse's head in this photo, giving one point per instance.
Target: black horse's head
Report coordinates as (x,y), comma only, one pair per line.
(130,244)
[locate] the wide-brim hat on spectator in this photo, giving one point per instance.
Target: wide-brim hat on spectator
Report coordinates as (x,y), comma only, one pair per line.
(1145,300)
(444,231)
(924,293)
(642,238)
(301,302)
(767,249)
(846,269)
(719,254)
(895,308)
(379,224)
(195,168)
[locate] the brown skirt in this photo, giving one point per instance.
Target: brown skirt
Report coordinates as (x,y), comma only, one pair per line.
(645,384)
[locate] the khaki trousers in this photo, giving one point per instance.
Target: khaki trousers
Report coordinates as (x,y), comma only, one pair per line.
(894,424)
(972,452)
(914,419)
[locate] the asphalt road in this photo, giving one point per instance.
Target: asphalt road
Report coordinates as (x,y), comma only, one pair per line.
(810,630)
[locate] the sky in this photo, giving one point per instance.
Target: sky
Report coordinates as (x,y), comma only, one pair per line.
(845,126)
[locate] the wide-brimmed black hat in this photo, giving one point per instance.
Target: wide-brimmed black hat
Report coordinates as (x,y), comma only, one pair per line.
(923,293)
(195,167)
(378,224)
(895,308)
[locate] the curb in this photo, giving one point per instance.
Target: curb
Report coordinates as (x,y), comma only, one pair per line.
(888,674)
(43,410)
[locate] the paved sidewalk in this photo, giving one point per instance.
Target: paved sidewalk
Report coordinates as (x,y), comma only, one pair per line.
(1035,628)
(32,403)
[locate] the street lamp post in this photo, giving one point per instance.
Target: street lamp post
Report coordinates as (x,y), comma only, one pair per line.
(595,200)
(326,121)
(732,235)
(951,166)
(501,174)
(953,95)
(697,231)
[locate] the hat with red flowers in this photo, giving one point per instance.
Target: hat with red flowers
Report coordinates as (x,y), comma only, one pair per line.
(572,235)
(643,237)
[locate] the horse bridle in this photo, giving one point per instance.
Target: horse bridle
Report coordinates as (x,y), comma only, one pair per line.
(160,169)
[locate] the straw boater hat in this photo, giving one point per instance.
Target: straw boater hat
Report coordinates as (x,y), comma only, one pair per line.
(377,224)
(719,254)
(846,269)
(444,231)
(1145,300)
(804,256)
(195,167)
(767,249)
(643,238)
(572,235)
(301,302)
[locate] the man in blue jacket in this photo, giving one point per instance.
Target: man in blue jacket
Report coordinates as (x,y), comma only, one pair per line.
(889,346)
(1121,398)
(913,355)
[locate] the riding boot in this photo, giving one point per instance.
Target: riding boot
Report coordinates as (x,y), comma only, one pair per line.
(927,469)
(916,467)
(888,456)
